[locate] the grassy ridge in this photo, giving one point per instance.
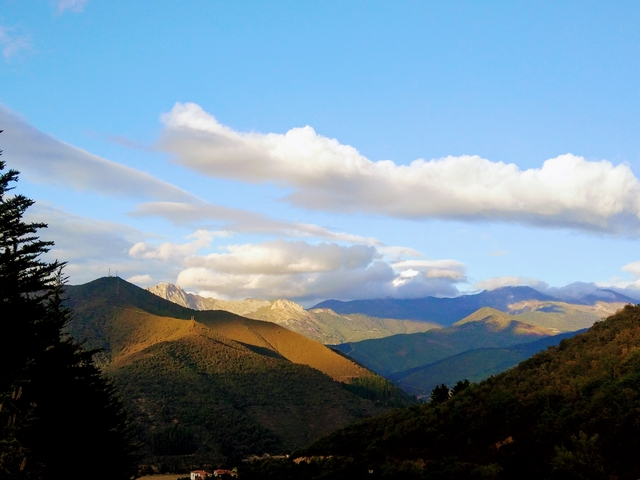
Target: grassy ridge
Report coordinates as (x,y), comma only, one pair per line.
(558,316)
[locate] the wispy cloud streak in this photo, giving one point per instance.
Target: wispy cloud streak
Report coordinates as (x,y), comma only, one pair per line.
(12,43)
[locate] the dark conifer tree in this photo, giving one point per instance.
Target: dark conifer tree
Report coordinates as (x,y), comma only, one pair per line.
(59,418)
(440,394)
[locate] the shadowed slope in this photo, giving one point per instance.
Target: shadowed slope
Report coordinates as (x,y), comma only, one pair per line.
(472,365)
(403,352)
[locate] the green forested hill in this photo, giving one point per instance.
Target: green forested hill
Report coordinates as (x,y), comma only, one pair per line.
(402,352)
(569,412)
(213,387)
(473,365)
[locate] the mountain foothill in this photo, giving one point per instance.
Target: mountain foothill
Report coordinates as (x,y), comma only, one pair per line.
(421,343)
(229,380)
(568,412)
(212,387)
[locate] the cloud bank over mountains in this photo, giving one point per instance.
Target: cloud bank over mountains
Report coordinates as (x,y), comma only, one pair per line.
(302,271)
(567,191)
(326,264)
(302,261)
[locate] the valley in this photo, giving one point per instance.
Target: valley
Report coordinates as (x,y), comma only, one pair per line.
(507,326)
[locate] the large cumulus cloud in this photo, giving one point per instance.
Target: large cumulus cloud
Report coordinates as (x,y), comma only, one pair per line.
(566,191)
(302,271)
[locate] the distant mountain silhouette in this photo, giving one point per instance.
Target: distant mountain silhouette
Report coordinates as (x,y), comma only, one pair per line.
(447,311)
(444,311)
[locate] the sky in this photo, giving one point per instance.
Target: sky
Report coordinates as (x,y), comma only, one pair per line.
(316,150)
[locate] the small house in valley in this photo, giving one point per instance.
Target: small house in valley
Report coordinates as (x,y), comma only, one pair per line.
(199,475)
(224,473)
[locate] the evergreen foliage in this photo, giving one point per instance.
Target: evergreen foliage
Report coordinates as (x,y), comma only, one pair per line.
(460,386)
(172,440)
(439,394)
(59,418)
(379,390)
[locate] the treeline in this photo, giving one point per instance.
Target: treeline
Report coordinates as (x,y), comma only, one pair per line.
(379,390)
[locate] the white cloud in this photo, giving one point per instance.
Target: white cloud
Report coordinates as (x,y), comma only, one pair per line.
(281,257)
(73,5)
(451,269)
(405,277)
(629,286)
(633,268)
(45,159)
(80,239)
(567,191)
(298,270)
(92,248)
(144,280)
(12,43)
(397,253)
(171,251)
(498,282)
(374,281)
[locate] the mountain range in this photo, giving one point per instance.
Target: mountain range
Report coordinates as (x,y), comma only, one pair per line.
(208,387)
(482,343)
(477,346)
(569,411)
(447,311)
(322,324)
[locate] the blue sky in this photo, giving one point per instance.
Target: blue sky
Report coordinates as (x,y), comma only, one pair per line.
(265,149)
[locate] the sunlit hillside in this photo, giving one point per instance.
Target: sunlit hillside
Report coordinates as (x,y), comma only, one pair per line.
(322,325)
(214,384)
